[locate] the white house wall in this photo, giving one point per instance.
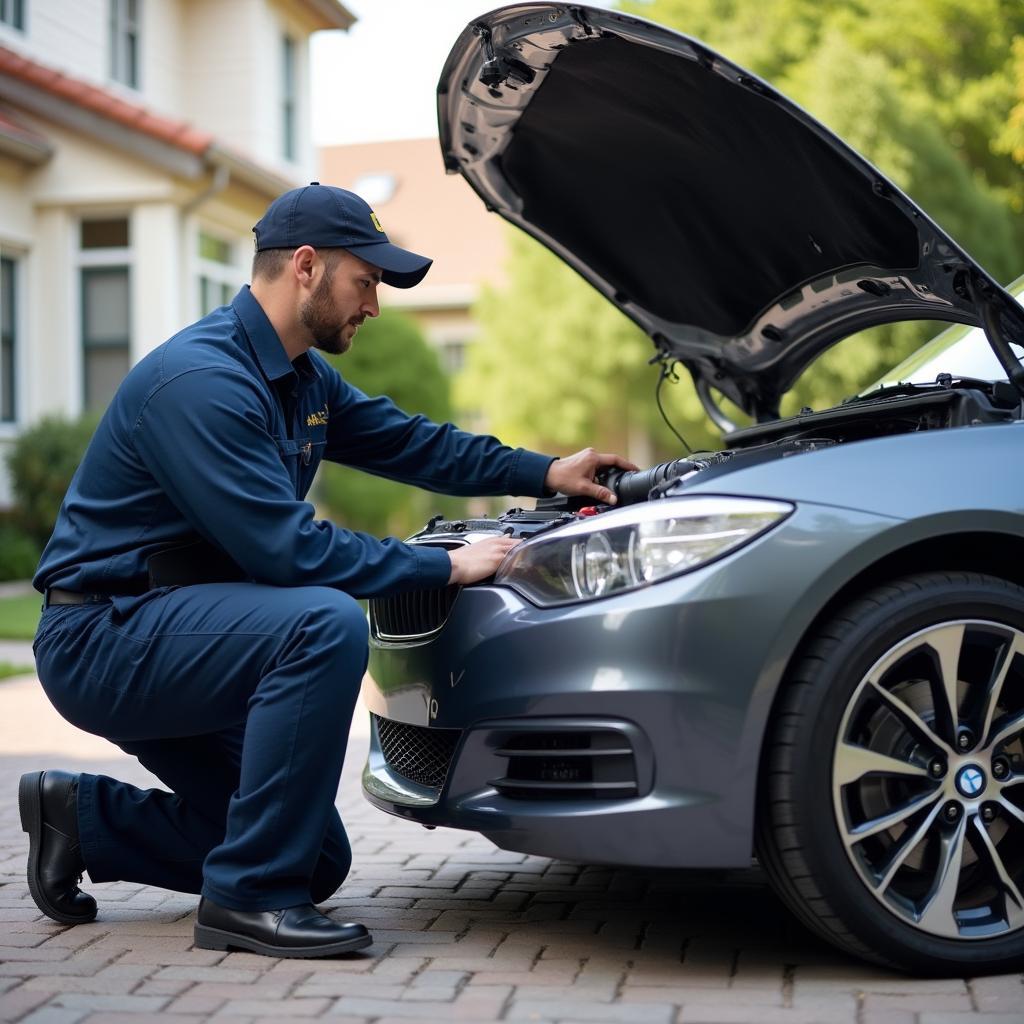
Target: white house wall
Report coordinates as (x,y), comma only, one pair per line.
(66,34)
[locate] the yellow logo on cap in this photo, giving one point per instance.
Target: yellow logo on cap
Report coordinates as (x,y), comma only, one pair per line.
(376,223)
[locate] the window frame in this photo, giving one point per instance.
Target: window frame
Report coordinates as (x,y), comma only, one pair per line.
(12,15)
(231,275)
(125,64)
(289,96)
(18,260)
(103,259)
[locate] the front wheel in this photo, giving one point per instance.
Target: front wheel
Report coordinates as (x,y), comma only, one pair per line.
(891,804)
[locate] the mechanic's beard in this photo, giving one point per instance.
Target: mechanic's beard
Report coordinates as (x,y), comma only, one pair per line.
(318,316)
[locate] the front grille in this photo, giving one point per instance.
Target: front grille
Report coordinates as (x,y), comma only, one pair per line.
(417,754)
(574,764)
(412,614)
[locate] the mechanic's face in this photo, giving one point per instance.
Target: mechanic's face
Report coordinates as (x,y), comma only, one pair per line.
(344,298)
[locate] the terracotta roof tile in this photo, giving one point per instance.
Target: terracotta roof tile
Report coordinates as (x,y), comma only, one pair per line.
(100,101)
(13,128)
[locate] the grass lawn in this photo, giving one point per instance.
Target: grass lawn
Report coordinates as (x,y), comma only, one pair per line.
(7,669)
(19,617)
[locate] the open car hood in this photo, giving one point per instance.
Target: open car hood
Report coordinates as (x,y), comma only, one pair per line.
(743,236)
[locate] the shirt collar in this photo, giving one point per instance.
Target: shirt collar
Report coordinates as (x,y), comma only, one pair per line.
(266,345)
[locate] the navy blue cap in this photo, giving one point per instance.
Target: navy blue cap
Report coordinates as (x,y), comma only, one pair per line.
(327,217)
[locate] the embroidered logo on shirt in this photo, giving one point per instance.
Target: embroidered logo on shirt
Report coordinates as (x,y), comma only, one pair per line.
(317,419)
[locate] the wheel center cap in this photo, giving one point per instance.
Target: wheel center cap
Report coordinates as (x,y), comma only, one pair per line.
(970,780)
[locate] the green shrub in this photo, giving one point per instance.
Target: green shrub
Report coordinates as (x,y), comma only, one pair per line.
(19,554)
(41,463)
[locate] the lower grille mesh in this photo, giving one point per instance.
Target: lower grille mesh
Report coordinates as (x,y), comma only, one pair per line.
(417,754)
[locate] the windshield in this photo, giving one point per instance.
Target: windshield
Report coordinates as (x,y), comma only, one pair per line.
(959,350)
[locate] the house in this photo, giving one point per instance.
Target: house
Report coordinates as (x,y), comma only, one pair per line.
(140,140)
(424,209)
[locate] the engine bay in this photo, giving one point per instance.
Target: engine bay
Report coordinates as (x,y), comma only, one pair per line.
(905,408)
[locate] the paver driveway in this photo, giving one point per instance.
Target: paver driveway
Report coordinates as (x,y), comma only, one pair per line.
(463,932)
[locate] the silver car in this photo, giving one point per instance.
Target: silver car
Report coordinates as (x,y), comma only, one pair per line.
(808,646)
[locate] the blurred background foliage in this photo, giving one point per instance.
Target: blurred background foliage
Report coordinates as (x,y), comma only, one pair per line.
(931,91)
(41,463)
(390,356)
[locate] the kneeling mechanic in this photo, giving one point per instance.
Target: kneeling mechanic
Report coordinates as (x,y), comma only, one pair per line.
(236,686)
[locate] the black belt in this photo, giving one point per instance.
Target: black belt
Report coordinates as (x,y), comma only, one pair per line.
(55,596)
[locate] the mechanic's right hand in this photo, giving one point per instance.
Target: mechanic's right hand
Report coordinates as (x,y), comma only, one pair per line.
(474,562)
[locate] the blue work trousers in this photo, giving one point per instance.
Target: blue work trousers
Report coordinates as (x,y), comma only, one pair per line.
(238,697)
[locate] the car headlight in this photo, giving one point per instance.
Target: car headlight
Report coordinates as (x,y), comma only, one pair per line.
(636,546)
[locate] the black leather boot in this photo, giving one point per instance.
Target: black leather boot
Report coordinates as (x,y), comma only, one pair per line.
(292,932)
(48,802)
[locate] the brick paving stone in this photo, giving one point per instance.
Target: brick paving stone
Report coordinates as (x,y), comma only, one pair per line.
(429,994)
(274,1008)
(696,1013)
(918,1001)
(193,1004)
(890,1017)
(118,979)
(967,1018)
(95,1001)
(998,994)
(636,1013)
(348,985)
(198,973)
(242,990)
(54,1015)
(136,1018)
(357,1006)
(162,988)
(16,1003)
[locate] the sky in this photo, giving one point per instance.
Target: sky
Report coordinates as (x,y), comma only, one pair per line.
(378,80)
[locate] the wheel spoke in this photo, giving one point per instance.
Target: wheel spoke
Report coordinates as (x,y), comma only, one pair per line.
(853,763)
(887,821)
(937,916)
(1011,728)
(1009,885)
(910,716)
(1012,809)
(906,848)
(996,689)
(947,643)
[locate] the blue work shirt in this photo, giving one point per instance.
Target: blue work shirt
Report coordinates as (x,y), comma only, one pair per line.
(217,435)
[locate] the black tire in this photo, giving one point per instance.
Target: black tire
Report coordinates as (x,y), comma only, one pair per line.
(802,820)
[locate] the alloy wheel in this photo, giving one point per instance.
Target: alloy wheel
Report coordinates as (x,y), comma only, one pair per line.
(928,780)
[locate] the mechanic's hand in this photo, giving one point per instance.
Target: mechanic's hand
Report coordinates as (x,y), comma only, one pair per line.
(474,562)
(575,474)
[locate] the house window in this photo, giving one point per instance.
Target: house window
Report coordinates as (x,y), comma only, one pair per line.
(124,41)
(105,286)
(8,339)
(219,278)
(288,97)
(12,12)
(453,356)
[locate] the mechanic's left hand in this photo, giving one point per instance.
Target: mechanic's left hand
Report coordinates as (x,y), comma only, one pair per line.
(575,474)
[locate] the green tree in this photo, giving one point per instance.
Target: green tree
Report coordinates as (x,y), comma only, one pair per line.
(389,356)
(557,366)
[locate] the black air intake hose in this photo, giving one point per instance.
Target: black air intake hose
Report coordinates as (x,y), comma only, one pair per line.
(631,487)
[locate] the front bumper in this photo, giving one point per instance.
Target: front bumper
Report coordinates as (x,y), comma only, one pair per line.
(678,678)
